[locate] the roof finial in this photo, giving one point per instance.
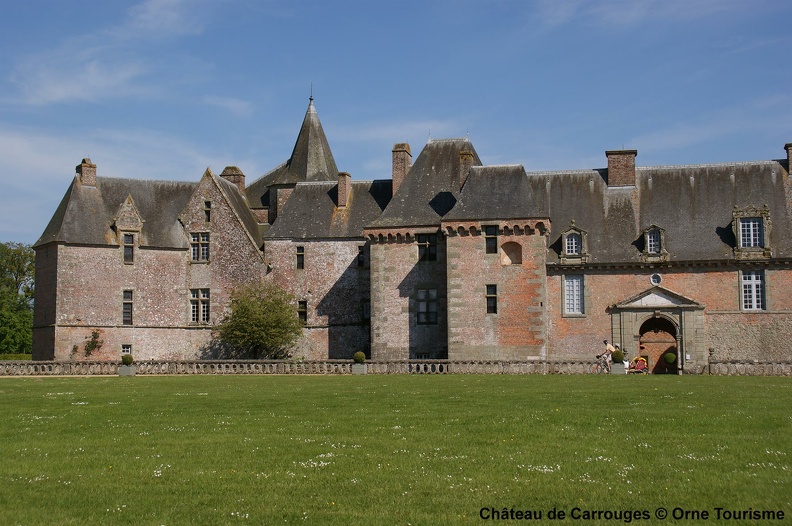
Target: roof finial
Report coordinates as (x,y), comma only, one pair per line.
(310,97)
(430,136)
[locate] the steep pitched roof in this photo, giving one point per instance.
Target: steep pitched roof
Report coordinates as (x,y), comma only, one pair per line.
(692,203)
(431,188)
(238,204)
(310,161)
(497,192)
(311,211)
(86,213)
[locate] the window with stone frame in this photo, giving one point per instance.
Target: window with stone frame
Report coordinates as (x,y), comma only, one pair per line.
(126,309)
(426,300)
(207,211)
(365,306)
(574,245)
(654,244)
(491,296)
(300,254)
(302,311)
(491,239)
(199,246)
(126,348)
(573,295)
(199,305)
(751,227)
(427,247)
(361,257)
(753,290)
(129,248)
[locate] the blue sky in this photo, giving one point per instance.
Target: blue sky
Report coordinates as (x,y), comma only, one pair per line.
(161,89)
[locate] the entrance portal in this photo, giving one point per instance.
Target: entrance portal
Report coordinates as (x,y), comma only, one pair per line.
(658,338)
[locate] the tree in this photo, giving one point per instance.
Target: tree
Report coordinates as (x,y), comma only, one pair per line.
(17,270)
(262,323)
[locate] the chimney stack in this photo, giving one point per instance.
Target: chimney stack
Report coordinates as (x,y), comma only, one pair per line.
(87,172)
(465,163)
(402,160)
(234,175)
(344,188)
(621,167)
(788,148)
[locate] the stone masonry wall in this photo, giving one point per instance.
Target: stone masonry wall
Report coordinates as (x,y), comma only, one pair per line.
(396,276)
(334,287)
(517,331)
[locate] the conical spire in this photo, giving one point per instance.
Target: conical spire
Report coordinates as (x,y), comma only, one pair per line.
(311,159)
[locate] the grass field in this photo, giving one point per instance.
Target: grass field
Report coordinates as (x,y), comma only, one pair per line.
(391,449)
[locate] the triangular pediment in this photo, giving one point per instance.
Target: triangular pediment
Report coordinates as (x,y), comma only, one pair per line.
(128,217)
(657,298)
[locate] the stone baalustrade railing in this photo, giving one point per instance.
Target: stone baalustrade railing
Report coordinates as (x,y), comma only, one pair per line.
(324,367)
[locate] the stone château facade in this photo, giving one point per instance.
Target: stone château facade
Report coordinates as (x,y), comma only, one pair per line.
(447,258)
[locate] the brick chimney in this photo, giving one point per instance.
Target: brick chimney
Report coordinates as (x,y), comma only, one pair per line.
(621,167)
(234,175)
(87,172)
(402,160)
(344,187)
(788,148)
(465,162)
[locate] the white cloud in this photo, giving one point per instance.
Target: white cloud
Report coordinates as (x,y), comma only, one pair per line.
(238,107)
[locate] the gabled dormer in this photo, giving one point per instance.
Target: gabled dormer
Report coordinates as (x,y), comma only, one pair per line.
(654,244)
(127,225)
(574,245)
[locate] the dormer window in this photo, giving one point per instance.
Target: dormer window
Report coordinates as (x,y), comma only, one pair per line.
(129,248)
(654,245)
(574,245)
(751,226)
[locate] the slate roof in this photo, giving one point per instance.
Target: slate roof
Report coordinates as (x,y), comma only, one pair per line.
(240,207)
(430,189)
(311,212)
(86,213)
(311,160)
(498,192)
(692,203)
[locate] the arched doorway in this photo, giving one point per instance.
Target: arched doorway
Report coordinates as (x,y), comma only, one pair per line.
(658,338)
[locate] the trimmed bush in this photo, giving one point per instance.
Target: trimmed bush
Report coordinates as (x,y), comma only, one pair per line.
(127,359)
(669,358)
(359,357)
(617,355)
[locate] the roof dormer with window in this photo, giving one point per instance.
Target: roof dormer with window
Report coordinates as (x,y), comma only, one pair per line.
(574,245)
(751,226)
(654,245)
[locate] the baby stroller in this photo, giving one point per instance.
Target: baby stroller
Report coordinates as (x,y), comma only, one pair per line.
(638,365)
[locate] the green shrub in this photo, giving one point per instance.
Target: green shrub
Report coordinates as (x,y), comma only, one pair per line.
(16,357)
(669,358)
(359,357)
(127,359)
(617,355)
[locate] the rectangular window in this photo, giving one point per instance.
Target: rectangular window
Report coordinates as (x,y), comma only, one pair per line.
(753,290)
(199,246)
(126,314)
(573,244)
(361,258)
(199,305)
(653,242)
(492,299)
(491,239)
(573,294)
(427,247)
(366,307)
(427,306)
(300,257)
(129,248)
(208,211)
(751,234)
(302,311)
(126,348)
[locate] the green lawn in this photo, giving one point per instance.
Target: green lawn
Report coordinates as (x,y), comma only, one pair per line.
(389,449)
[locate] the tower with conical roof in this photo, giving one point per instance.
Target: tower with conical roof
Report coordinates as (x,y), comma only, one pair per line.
(311,161)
